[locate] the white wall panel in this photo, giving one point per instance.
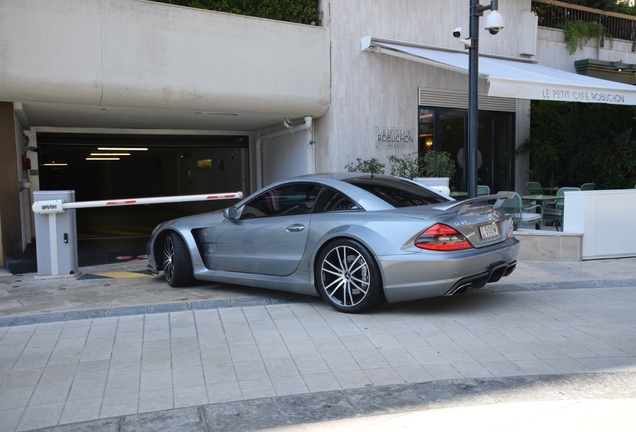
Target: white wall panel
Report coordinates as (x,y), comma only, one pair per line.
(286,156)
(606,219)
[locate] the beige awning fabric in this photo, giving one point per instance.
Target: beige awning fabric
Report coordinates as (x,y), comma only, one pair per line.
(510,78)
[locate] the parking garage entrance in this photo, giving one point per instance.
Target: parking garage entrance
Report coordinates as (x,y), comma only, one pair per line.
(104,167)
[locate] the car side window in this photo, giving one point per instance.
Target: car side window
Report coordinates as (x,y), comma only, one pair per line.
(332,200)
(289,199)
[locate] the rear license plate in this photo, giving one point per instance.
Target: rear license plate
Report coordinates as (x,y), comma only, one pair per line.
(489,231)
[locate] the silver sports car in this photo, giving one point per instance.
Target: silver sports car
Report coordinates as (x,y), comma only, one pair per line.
(355,239)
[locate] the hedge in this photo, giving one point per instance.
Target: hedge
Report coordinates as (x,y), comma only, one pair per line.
(297,11)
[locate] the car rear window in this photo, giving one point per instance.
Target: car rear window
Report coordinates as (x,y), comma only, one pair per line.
(396,191)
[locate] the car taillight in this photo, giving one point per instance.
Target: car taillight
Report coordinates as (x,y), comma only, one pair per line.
(442,238)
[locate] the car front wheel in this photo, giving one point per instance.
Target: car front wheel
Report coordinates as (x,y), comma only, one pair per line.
(348,278)
(177,266)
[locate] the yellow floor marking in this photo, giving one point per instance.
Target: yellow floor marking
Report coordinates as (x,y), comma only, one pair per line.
(122,275)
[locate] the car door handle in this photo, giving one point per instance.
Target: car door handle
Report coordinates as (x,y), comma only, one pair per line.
(295,228)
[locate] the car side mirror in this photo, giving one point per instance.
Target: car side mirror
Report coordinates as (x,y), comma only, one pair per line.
(230,213)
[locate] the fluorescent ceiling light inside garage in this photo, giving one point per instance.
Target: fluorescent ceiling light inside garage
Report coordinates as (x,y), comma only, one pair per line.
(103,158)
(122,148)
(110,154)
(55,164)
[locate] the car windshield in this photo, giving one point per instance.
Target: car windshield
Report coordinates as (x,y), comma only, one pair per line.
(396,191)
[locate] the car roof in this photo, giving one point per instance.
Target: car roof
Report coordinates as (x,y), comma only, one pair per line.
(338,180)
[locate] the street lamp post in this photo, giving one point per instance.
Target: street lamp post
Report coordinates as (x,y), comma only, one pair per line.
(495,24)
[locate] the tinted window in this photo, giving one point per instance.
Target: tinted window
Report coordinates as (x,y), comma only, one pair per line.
(290,199)
(397,192)
(332,200)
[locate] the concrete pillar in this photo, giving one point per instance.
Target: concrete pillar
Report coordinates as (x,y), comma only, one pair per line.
(10,224)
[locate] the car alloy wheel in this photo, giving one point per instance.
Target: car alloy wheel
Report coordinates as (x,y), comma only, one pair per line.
(348,277)
(168,258)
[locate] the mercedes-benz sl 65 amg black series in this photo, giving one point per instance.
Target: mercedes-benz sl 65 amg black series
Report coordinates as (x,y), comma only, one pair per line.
(357,240)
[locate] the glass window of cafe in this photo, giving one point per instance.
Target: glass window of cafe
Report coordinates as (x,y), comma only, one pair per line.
(445,129)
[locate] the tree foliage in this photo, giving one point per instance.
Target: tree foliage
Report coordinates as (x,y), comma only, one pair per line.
(571,144)
(298,11)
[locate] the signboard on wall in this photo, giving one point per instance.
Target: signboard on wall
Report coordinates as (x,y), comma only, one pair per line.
(394,136)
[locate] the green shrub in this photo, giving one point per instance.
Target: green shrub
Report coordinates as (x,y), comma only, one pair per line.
(407,166)
(372,166)
(297,11)
(578,33)
(575,143)
(432,164)
(438,164)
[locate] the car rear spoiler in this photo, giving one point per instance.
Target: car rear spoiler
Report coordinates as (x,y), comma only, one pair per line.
(463,206)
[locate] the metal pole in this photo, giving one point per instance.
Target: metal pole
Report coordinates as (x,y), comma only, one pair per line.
(473,107)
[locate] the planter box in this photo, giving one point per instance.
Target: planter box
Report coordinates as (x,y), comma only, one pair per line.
(437,183)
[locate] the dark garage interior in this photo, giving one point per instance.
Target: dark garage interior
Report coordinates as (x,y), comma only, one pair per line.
(109,167)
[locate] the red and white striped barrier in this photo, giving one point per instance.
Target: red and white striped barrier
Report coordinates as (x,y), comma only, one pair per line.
(58,206)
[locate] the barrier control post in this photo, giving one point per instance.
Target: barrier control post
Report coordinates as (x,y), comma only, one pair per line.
(56,227)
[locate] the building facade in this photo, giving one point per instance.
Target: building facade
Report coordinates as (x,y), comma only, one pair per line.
(224,102)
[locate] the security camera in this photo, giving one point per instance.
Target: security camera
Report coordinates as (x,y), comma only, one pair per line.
(494,22)
(457,34)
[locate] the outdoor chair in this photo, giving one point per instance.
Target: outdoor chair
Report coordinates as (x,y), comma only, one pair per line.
(534,188)
(483,190)
(555,213)
(587,186)
(522,215)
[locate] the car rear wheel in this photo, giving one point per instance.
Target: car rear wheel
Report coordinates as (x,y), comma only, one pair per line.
(177,266)
(348,278)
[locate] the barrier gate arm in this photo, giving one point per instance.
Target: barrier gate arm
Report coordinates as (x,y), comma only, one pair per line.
(53,207)
(59,206)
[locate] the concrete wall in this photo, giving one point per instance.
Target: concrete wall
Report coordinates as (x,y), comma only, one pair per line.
(552,51)
(287,156)
(543,245)
(10,227)
(141,54)
(375,90)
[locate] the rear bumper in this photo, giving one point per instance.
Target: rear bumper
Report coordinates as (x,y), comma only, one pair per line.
(424,275)
(494,272)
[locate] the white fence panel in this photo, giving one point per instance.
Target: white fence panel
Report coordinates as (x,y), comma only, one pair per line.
(607,219)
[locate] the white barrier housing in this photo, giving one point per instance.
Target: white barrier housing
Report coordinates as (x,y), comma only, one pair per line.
(47,257)
(606,219)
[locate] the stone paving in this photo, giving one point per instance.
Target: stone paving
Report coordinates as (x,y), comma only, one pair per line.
(548,332)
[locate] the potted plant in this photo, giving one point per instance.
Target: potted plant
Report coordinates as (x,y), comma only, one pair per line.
(372,166)
(439,168)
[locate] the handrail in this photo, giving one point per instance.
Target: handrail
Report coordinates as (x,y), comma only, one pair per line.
(587,9)
(558,14)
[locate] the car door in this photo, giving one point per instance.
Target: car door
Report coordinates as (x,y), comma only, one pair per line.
(271,233)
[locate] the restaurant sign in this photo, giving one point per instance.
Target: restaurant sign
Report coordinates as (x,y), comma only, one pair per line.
(394,136)
(583,96)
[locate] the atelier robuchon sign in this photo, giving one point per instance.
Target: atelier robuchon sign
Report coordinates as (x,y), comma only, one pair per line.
(393,137)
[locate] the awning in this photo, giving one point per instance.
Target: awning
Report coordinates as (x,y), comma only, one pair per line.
(510,78)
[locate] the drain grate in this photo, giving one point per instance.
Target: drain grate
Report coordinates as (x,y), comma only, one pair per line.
(561,270)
